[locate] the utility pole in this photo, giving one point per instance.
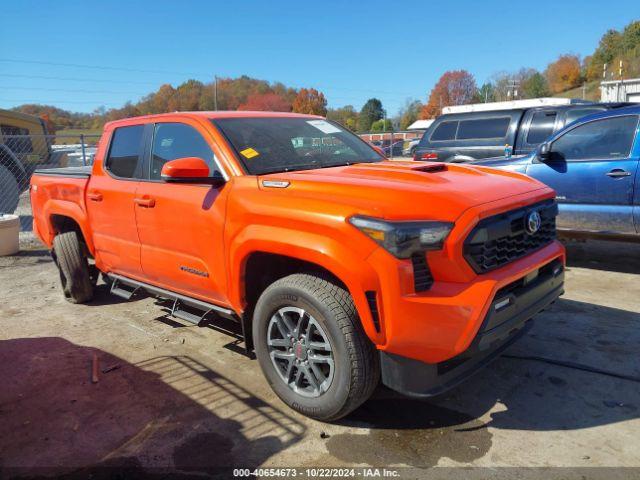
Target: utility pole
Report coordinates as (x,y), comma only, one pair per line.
(215,92)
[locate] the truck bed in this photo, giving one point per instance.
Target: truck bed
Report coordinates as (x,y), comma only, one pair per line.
(55,190)
(76,172)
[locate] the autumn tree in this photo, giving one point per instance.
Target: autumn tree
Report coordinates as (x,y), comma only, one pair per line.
(564,73)
(347,116)
(381,125)
(310,101)
(535,86)
(409,113)
(455,87)
(371,111)
(271,102)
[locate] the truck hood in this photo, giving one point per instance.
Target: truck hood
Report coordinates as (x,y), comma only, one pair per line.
(403,190)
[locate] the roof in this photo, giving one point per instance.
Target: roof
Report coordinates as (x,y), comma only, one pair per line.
(420,124)
(22,116)
(512,105)
(616,112)
(214,115)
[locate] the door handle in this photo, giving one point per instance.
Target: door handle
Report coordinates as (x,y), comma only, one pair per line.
(95,196)
(145,202)
(618,173)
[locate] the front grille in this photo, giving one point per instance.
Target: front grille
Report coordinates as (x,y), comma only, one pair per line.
(501,239)
(422,279)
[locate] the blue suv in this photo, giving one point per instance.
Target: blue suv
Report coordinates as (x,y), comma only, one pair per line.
(593,166)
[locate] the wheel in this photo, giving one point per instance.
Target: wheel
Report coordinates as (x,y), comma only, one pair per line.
(73,267)
(9,191)
(312,348)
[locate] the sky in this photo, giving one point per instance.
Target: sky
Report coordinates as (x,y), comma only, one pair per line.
(80,55)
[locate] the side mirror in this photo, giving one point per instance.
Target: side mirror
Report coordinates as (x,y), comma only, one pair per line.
(544,151)
(189,170)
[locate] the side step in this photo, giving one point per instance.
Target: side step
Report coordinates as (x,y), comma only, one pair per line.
(122,290)
(126,287)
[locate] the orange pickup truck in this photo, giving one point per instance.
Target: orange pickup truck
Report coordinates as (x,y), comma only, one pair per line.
(341,268)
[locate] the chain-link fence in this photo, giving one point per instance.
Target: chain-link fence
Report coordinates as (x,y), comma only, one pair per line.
(21,155)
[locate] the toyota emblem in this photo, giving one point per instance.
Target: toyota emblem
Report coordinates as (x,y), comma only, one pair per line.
(532,225)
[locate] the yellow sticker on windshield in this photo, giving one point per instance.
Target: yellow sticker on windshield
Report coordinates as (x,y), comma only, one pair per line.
(249,153)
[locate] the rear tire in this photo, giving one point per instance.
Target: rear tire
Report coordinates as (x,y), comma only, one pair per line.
(331,329)
(72,264)
(9,191)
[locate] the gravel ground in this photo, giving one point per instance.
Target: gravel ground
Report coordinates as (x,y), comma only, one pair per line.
(182,399)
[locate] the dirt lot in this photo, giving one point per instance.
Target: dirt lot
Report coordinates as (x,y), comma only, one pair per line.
(181,398)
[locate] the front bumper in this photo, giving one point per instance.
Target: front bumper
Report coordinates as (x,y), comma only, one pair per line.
(507,317)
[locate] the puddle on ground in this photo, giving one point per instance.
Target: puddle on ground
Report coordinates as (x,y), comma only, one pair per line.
(410,432)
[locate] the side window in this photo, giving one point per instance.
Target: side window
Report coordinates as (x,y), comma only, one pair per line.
(576,113)
(445,131)
(541,127)
(125,150)
(483,128)
(610,138)
(177,140)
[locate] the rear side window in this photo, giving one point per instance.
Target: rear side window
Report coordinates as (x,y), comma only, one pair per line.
(125,151)
(445,131)
(178,140)
(483,128)
(606,139)
(541,127)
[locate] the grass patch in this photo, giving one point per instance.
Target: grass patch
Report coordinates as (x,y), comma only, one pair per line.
(72,136)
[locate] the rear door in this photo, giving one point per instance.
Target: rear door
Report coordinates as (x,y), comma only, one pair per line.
(181,225)
(592,168)
(537,126)
(110,196)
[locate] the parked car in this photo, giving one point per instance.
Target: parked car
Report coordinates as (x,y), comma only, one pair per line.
(464,137)
(593,166)
(409,147)
(341,268)
(20,153)
(394,150)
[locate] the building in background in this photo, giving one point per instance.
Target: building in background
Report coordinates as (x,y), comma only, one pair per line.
(620,90)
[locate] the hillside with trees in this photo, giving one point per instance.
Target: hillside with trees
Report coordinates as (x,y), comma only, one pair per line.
(567,76)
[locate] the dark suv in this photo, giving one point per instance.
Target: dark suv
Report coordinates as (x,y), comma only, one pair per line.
(464,137)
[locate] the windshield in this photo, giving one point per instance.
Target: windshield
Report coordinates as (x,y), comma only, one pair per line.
(281,144)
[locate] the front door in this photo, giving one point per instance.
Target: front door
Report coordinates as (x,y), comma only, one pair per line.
(110,202)
(181,225)
(592,168)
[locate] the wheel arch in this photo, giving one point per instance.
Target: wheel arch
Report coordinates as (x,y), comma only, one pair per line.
(65,216)
(259,262)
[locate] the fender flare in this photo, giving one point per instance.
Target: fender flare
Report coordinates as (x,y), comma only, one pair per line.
(66,209)
(321,250)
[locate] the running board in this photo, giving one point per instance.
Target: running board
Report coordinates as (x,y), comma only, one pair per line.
(126,287)
(119,281)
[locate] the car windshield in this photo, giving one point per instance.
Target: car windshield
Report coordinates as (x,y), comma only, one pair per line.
(283,144)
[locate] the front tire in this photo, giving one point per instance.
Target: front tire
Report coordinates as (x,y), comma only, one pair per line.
(312,348)
(71,260)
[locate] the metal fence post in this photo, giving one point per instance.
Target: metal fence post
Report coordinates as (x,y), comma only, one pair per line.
(84,156)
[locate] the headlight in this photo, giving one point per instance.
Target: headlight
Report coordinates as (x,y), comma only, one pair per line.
(402,239)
